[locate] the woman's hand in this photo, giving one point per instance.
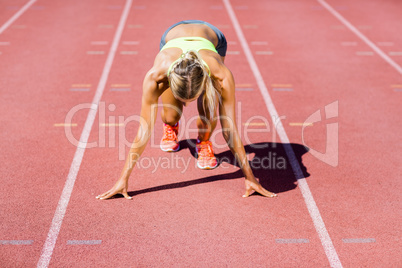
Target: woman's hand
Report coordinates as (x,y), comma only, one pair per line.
(119,188)
(253,185)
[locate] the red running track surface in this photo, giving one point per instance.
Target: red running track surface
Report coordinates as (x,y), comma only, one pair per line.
(52,60)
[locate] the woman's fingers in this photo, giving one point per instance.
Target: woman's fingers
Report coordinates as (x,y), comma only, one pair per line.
(113,192)
(255,186)
(103,195)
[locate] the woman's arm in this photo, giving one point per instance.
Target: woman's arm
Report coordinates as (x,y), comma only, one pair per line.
(227,111)
(149,101)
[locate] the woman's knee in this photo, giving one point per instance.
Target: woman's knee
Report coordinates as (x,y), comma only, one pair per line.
(170,115)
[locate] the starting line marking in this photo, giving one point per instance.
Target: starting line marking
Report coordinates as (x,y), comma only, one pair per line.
(311,205)
(361,36)
(81,85)
(99,43)
(216,7)
(250,26)
(4,43)
(131,43)
(105,26)
(364,53)
(282,89)
(128,52)
(264,52)
(281,85)
(358,240)
(292,241)
(259,43)
(244,89)
(84,242)
(21,26)
(65,125)
(349,44)
(16,242)
(121,85)
(112,125)
(114,7)
(79,89)
(300,124)
(254,124)
(395,53)
(385,44)
(232,52)
(95,52)
(48,247)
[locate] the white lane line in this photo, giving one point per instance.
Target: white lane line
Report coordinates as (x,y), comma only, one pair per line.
(84,242)
(358,240)
(302,183)
(292,241)
(57,221)
(395,53)
(361,36)
(16,242)
(16,16)
(4,43)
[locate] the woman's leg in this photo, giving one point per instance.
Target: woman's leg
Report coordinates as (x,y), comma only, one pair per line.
(205,126)
(172,108)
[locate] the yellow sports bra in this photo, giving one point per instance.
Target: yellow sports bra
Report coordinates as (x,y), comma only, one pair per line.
(190,43)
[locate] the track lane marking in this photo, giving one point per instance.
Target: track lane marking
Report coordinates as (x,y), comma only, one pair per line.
(16,242)
(57,221)
(16,16)
(65,125)
(361,36)
(358,240)
(302,183)
(84,242)
(292,241)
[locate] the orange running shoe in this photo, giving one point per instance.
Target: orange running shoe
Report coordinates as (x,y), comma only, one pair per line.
(169,141)
(206,158)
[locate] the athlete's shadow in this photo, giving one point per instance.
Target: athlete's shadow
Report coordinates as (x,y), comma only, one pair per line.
(269,161)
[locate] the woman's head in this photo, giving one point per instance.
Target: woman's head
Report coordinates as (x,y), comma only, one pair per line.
(189,78)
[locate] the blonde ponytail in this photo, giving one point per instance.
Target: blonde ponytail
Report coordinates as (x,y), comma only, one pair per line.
(189,77)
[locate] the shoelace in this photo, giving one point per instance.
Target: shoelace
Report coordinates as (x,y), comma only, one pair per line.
(205,149)
(169,134)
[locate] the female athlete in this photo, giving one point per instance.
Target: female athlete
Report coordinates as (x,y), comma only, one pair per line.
(190,67)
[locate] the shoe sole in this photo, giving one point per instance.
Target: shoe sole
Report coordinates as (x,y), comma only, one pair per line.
(170,150)
(207,167)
